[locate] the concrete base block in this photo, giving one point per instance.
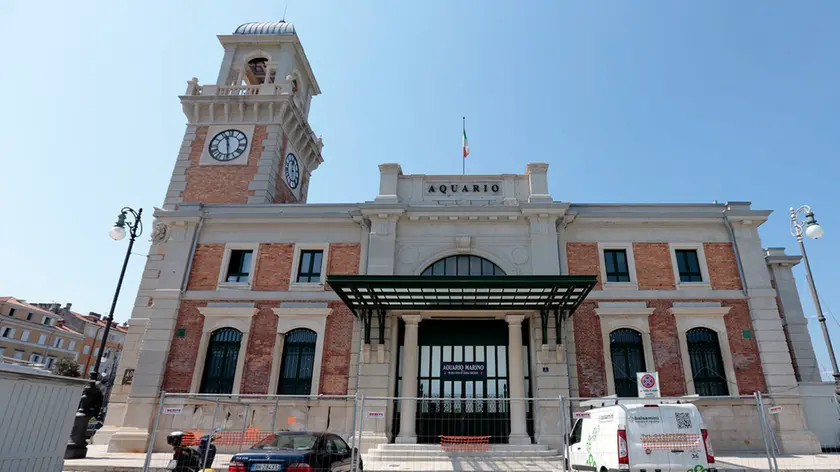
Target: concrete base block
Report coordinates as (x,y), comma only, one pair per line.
(406,440)
(129,440)
(519,439)
(798,442)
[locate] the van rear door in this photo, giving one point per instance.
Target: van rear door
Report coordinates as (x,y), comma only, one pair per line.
(682,425)
(646,437)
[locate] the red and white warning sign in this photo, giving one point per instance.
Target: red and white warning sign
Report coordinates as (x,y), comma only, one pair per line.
(648,384)
(581,415)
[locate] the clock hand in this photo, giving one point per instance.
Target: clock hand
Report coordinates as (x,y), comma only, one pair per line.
(227,144)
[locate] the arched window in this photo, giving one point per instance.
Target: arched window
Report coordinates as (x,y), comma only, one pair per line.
(463,265)
(298,361)
(706,362)
(220,365)
(628,357)
(256,72)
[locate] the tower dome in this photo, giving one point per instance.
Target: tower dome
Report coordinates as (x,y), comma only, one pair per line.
(266,27)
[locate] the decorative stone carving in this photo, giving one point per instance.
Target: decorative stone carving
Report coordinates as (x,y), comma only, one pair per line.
(408,254)
(519,255)
(462,244)
(159,232)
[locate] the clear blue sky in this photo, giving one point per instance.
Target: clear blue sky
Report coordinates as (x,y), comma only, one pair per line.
(628,101)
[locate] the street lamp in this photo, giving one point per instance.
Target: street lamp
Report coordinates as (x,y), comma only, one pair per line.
(91,401)
(813,230)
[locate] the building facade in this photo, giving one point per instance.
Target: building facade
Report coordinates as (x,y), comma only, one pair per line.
(92,326)
(551,297)
(31,334)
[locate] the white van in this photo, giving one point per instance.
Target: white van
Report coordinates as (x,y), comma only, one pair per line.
(648,436)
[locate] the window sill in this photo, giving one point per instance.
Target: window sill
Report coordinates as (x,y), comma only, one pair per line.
(235,285)
(621,285)
(303,287)
(693,285)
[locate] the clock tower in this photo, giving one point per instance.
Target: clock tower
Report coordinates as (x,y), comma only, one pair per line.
(248,139)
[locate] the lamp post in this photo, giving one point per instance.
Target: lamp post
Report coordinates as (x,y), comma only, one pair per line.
(813,230)
(92,397)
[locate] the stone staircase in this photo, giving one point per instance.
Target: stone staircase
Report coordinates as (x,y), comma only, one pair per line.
(430,458)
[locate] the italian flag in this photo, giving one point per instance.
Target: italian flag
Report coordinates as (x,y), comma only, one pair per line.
(466,145)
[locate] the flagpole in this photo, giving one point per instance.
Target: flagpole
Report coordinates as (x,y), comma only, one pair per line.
(463,158)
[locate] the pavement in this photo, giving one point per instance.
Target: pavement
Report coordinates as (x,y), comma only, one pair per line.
(99,460)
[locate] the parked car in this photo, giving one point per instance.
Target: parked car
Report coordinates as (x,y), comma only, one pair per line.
(297,452)
(642,436)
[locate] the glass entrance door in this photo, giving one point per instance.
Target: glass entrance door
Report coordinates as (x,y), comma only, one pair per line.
(471,403)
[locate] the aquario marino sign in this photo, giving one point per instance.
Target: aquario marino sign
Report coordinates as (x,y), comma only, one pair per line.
(463,371)
(463,188)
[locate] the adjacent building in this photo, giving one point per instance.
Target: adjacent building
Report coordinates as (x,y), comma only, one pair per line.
(92,326)
(31,334)
(249,289)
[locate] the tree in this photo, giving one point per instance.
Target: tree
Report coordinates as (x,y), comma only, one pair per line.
(66,367)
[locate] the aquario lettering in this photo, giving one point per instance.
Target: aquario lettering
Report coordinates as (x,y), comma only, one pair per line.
(476,188)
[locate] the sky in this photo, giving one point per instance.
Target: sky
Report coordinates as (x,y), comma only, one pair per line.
(627,101)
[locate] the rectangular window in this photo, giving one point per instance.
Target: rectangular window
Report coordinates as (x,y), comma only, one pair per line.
(11,312)
(50,362)
(239,267)
(72,345)
(58,343)
(29,316)
(8,332)
(42,339)
(34,358)
(111,337)
(47,321)
(24,336)
(616,265)
(18,354)
(309,269)
(86,350)
(688,265)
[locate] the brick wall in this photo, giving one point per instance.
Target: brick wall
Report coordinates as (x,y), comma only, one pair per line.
(666,348)
(207,261)
(183,351)
(723,268)
(260,351)
(583,260)
(222,183)
(589,352)
(654,270)
(274,266)
(344,259)
(745,354)
(335,367)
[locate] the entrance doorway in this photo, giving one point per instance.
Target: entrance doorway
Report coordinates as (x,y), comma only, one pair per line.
(462,381)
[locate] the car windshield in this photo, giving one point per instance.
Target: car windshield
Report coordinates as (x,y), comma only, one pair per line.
(297,442)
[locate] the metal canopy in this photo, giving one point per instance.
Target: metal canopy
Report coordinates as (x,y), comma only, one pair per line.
(399,292)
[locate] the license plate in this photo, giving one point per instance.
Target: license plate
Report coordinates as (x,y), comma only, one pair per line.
(271,467)
(171,465)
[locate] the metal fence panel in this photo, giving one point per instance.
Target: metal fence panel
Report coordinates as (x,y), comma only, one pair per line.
(238,422)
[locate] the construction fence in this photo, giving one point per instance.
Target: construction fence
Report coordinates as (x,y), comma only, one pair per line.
(447,433)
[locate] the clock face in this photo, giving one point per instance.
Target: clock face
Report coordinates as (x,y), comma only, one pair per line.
(292,172)
(228,145)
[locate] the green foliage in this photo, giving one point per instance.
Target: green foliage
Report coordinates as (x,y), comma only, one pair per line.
(66,367)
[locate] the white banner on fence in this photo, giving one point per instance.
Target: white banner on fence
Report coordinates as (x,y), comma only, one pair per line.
(648,384)
(172,410)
